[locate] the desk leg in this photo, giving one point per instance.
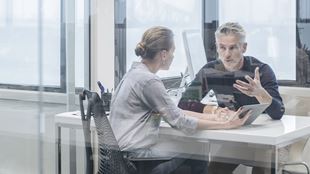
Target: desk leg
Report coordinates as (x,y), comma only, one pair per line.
(58,149)
(276,161)
(72,158)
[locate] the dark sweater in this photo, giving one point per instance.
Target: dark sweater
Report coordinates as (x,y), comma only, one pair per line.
(214,76)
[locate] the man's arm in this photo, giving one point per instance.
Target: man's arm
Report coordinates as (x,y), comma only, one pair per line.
(270,84)
(191,106)
(188,102)
(264,89)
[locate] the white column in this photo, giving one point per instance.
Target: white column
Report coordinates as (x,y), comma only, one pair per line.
(70,52)
(102,43)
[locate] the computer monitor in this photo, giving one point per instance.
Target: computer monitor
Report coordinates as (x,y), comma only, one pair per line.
(195,51)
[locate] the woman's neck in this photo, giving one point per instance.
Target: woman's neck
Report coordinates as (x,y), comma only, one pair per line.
(151,64)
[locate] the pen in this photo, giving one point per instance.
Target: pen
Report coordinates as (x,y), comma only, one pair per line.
(101,87)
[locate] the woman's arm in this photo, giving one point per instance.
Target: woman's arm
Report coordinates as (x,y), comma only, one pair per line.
(205,120)
(155,96)
(218,114)
(204,116)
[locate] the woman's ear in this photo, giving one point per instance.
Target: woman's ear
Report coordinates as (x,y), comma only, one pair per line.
(163,54)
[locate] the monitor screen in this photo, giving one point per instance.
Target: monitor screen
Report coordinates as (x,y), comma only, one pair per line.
(195,51)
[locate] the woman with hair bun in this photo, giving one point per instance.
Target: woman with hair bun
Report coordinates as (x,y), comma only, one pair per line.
(140,101)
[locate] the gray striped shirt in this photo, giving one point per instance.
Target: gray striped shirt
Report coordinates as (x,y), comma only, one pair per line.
(138,104)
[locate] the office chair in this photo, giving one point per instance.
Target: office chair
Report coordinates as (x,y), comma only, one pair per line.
(111,158)
(296,163)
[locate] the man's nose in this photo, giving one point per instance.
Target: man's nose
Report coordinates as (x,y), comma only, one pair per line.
(227,53)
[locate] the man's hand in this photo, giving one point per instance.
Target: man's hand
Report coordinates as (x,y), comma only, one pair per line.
(253,88)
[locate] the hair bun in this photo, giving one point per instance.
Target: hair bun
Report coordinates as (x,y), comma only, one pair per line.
(140,49)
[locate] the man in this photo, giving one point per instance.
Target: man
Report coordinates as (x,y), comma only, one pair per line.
(236,80)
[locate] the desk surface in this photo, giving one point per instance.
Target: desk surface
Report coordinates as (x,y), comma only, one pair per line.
(263,131)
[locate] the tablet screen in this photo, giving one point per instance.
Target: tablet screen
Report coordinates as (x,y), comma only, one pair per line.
(256,109)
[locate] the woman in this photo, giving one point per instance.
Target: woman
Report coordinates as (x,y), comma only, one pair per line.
(140,101)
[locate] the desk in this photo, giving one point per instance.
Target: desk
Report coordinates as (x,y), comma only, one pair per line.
(72,121)
(264,133)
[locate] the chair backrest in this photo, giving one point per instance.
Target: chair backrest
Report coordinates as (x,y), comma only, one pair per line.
(87,135)
(111,160)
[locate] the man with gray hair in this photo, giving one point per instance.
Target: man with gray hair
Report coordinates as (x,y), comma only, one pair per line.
(236,80)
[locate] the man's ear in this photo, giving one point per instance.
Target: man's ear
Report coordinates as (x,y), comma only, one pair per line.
(244,47)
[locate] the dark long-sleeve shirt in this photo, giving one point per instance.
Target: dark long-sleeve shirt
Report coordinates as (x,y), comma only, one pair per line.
(214,76)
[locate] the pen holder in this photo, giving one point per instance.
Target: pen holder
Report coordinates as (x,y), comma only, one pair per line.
(106,98)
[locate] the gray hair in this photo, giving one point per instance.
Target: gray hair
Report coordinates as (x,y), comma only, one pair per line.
(231,28)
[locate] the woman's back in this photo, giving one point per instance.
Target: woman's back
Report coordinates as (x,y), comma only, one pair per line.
(132,118)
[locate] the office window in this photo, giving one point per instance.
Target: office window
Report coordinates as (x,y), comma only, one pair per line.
(277,33)
(303,43)
(178,15)
(19,46)
(270,28)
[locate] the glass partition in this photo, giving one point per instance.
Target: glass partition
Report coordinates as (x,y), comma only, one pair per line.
(276,41)
(37,39)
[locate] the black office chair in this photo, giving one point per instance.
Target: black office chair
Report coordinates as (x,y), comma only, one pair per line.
(111,159)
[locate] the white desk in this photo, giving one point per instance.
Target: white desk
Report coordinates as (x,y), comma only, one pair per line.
(262,131)
(265,134)
(73,122)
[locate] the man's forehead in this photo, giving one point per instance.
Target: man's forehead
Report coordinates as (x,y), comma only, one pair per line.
(228,38)
(228,44)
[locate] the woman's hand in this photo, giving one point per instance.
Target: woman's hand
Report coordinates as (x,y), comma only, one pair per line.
(222,114)
(235,121)
(222,119)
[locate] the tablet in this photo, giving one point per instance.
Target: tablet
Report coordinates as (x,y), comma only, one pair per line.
(256,109)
